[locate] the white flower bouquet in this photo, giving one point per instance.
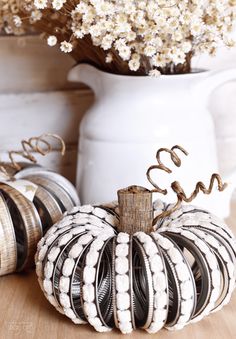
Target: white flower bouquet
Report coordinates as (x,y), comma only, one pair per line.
(127,36)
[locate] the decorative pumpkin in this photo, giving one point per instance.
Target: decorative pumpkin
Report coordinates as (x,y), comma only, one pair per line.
(32,199)
(136,264)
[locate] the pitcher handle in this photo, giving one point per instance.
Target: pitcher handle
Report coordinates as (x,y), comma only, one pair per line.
(230,179)
(214,80)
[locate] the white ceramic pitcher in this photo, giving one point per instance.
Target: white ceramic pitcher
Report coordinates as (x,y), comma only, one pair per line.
(132,117)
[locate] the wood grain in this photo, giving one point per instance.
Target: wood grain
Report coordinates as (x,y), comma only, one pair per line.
(59,112)
(26,314)
(29,65)
(32,114)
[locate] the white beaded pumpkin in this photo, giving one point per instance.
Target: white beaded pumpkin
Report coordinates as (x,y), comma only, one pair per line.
(139,265)
(179,273)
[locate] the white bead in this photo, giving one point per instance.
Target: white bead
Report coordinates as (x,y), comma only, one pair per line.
(142,237)
(99,212)
(48,270)
(122,250)
(215,294)
(106,234)
(155,327)
(231,269)
(102,329)
(125,327)
(89,275)
(52,255)
(64,284)
(121,265)
(85,239)
(52,301)
(156,263)
(202,246)
(97,244)
(75,251)
(86,209)
(186,306)
(92,258)
(178,326)
(39,269)
(75,209)
(47,285)
(182,271)
(216,278)
(78,321)
(159,315)
(88,293)
(82,220)
(175,255)
(90,310)
(189,235)
(40,243)
(187,289)
(212,241)
(211,259)
(69,313)
(223,252)
(95,221)
(77,230)
(95,322)
(95,232)
(42,252)
(65,239)
(165,243)
(64,300)
(150,248)
(123,301)
(160,300)
(110,219)
(68,267)
(50,239)
(123,238)
(122,283)
(159,281)
(158,205)
(124,316)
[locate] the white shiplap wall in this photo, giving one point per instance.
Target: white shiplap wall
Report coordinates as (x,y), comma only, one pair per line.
(35,97)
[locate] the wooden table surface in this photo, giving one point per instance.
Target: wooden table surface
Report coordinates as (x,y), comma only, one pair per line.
(26,314)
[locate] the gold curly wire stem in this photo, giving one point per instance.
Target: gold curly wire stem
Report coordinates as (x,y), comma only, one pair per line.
(175,159)
(181,195)
(175,186)
(33,145)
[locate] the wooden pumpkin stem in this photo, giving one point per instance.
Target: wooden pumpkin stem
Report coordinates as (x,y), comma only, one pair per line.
(136,210)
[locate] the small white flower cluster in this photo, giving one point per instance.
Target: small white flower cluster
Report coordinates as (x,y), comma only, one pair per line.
(159,34)
(163,32)
(12,13)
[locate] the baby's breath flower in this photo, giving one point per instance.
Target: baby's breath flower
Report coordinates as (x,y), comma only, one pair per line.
(154,73)
(163,33)
(109,58)
(40,4)
(66,47)
(52,40)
